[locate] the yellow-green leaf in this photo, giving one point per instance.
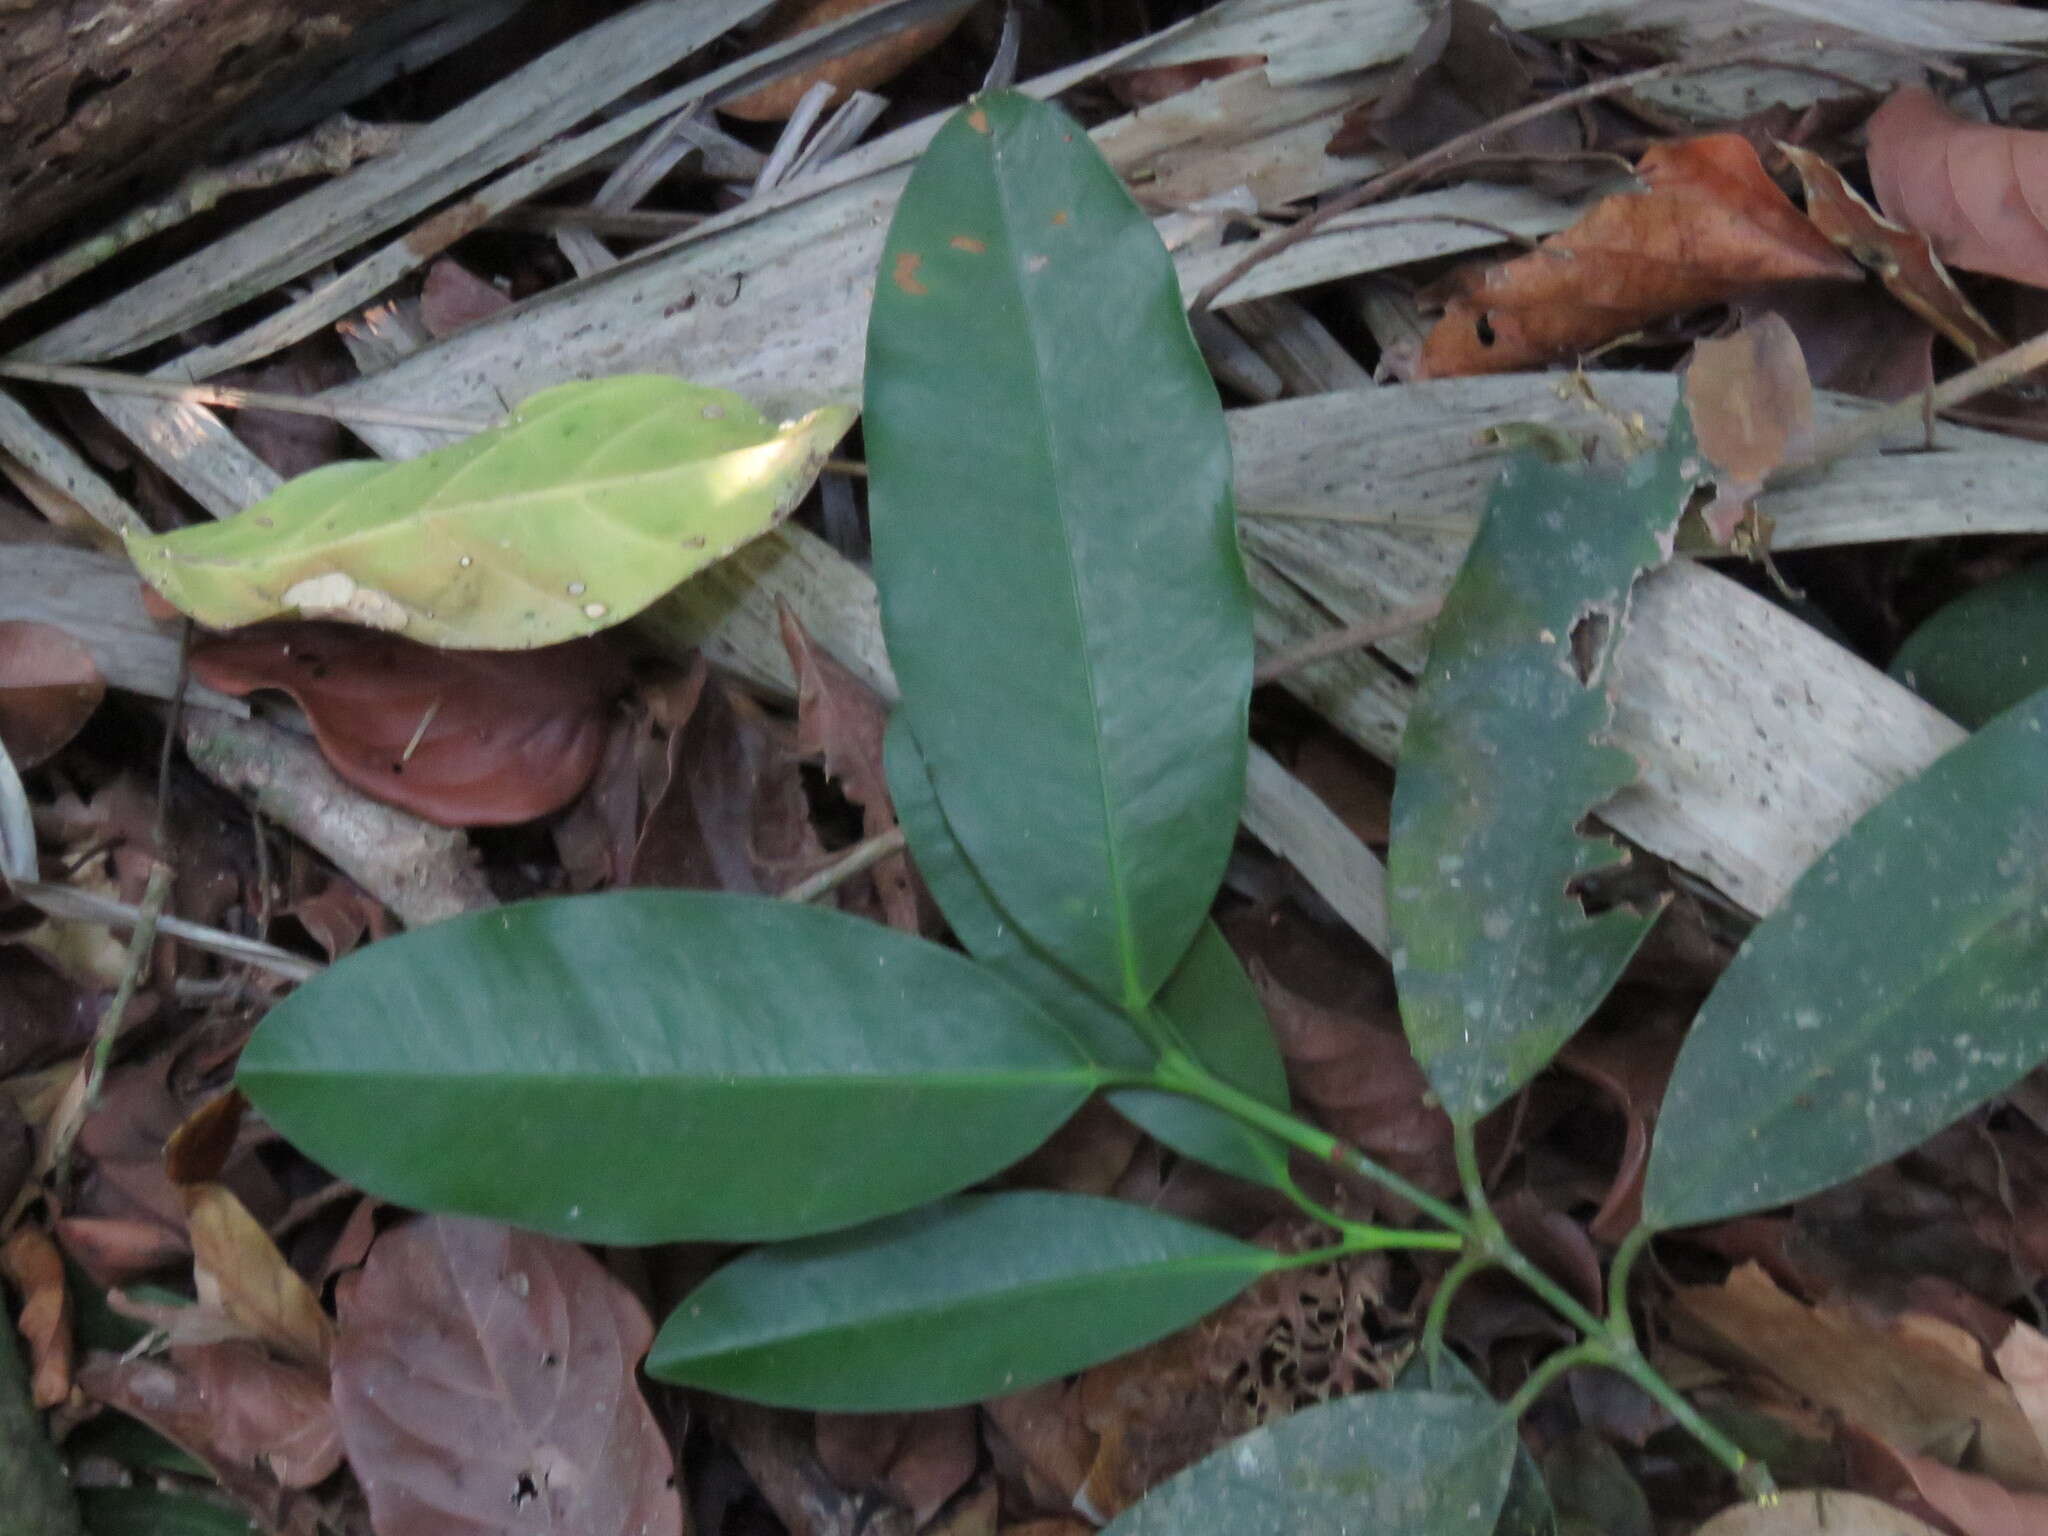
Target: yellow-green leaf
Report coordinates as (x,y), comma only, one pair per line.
(591,502)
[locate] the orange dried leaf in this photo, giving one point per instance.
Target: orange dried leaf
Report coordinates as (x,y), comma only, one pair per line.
(1711,225)
(1903,257)
(30,1262)
(1979,192)
(858,70)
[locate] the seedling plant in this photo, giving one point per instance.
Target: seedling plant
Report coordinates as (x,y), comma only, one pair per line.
(1071,627)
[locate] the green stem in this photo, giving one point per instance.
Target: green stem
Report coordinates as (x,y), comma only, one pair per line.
(1589,1352)
(1620,1325)
(1180,1073)
(1471,1262)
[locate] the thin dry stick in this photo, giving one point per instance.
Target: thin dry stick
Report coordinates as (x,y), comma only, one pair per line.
(1351,637)
(328,150)
(1451,150)
(1996,373)
(114,383)
(862,855)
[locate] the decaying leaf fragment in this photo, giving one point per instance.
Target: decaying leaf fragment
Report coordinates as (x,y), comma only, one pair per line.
(1975,189)
(591,502)
(1711,225)
(1752,410)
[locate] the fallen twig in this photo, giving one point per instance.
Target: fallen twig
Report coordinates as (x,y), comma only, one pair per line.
(1351,637)
(862,855)
(116,383)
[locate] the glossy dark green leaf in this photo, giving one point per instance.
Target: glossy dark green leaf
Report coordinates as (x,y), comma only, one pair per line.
(1414,1462)
(1208,1002)
(1526,1509)
(644,1066)
(1984,652)
(157,1512)
(1054,542)
(965,1299)
(1903,980)
(1504,756)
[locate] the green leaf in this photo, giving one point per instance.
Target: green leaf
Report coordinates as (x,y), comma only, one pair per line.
(1504,755)
(1417,1463)
(157,1512)
(1985,651)
(965,1299)
(1209,1003)
(643,1066)
(1903,980)
(1525,1509)
(1054,542)
(591,502)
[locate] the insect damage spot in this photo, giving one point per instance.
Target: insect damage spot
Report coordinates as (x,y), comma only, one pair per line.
(1589,643)
(978,120)
(904,274)
(969,244)
(1060,217)
(337,596)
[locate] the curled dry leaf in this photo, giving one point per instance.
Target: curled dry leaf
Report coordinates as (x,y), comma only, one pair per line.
(462,738)
(240,1274)
(1710,226)
(1752,410)
(49,688)
(1903,258)
(1360,1080)
(481,1372)
(915,1460)
(262,1427)
(1978,191)
(860,69)
(30,1262)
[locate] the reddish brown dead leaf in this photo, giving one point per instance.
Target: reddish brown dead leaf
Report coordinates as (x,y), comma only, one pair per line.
(1853,340)
(1962,1501)
(1711,225)
(861,69)
(1908,1385)
(1360,1080)
(453,296)
(42,1014)
(840,721)
(30,1262)
(1752,410)
(916,1460)
(1977,191)
(480,1372)
(1903,257)
(262,1427)
(462,738)
(337,917)
(49,687)
(1631,1067)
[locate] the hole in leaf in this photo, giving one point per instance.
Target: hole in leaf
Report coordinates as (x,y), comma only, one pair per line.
(525,1492)
(1589,643)
(1483,329)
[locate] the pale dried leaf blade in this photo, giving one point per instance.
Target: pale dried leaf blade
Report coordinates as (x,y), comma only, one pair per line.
(593,501)
(238,1270)
(1816,1512)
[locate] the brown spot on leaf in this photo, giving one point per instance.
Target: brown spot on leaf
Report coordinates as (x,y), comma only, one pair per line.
(969,244)
(978,120)
(1060,217)
(905,274)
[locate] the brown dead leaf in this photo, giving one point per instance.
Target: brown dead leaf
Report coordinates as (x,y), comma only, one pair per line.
(49,687)
(840,721)
(915,1460)
(2022,1361)
(453,296)
(1630,1067)
(861,69)
(43,1016)
(262,1427)
(1816,1512)
(1853,341)
(1902,1384)
(1903,257)
(1137,88)
(30,1262)
(1710,226)
(1361,1082)
(462,738)
(1752,411)
(480,1372)
(1977,191)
